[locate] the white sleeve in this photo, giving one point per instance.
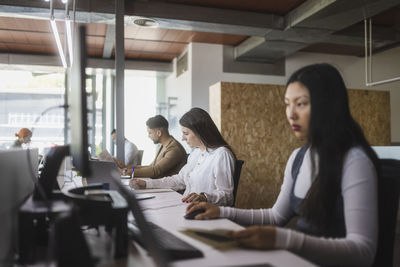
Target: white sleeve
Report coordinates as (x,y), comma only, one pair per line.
(358,247)
(175,182)
(279,214)
(223,179)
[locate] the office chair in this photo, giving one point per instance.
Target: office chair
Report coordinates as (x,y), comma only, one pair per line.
(388,204)
(139,158)
(236,177)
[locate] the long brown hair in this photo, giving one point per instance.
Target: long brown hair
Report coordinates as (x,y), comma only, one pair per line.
(200,122)
(332,133)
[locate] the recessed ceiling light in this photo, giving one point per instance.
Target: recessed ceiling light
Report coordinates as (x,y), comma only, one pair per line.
(145,22)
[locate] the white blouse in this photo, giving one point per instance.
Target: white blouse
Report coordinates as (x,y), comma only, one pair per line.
(209,172)
(359,192)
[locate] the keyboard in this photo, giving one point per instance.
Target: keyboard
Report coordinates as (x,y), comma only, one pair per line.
(175,248)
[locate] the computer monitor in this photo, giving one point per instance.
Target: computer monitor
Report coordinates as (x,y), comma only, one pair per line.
(387,152)
(78,149)
(19,170)
(77,105)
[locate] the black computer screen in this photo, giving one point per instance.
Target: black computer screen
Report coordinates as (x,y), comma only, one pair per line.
(78,106)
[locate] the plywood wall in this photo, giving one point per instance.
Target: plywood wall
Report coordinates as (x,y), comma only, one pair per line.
(252,119)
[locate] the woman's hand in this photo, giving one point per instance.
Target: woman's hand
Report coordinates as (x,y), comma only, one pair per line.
(192,197)
(211,211)
(137,183)
(259,237)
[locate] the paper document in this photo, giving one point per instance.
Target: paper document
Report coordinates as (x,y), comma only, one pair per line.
(152,190)
(217,238)
(147,190)
(105,156)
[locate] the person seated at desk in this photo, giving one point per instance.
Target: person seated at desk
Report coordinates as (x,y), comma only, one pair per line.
(330,183)
(23,137)
(171,156)
(208,175)
(131,152)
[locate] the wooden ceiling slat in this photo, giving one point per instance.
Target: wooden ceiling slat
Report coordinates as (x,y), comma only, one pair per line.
(33,38)
(4,48)
(131,31)
(177,36)
(137,45)
(95,53)
(36,49)
(150,33)
(19,37)
(96,29)
(151,47)
(95,42)
(213,38)
(163,47)
(5,36)
(177,48)
(185,36)
(42,25)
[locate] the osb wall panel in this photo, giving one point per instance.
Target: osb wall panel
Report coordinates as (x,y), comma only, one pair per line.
(371,109)
(252,119)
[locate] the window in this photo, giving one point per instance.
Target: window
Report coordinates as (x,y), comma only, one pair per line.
(24,95)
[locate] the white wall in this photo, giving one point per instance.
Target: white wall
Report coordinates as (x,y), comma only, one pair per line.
(181,88)
(205,69)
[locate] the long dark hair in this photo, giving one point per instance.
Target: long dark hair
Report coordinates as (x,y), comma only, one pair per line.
(200,122)
(332,132)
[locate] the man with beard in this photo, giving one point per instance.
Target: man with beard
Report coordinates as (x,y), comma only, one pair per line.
(170,157)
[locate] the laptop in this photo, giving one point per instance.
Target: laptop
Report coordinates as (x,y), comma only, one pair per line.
(101,173)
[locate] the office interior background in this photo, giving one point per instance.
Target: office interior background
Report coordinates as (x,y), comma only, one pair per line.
(174,50)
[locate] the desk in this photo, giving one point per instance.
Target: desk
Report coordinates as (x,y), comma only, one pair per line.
(167,210)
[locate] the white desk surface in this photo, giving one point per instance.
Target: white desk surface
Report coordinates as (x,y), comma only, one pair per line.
(167,210)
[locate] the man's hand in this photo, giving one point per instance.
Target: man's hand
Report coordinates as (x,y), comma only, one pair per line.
(137,183)
(259,237)
(125,171)
(119,163)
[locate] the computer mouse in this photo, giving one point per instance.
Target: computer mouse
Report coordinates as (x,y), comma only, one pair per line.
(190,216)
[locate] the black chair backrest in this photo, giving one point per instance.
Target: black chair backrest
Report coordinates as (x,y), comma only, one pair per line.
(139,158)
(388,204)
(236,177)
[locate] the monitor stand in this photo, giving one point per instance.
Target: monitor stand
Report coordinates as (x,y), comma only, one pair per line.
(48,177)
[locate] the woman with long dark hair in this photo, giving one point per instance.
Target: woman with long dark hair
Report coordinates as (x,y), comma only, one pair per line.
(208,174)
(330,183)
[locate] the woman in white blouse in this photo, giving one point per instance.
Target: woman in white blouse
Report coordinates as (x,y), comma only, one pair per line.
(208,174)
(330,183)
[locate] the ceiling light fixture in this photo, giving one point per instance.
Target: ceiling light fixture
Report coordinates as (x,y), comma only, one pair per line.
(58,41)
(68,27)
(145,22)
